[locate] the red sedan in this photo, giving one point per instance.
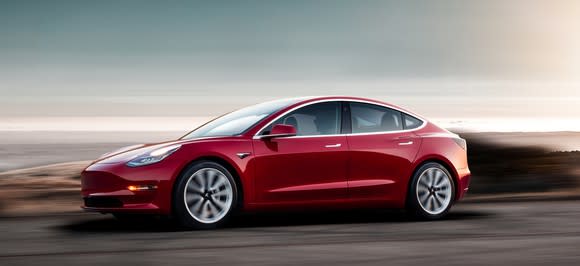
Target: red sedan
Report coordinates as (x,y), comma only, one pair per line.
(326,152)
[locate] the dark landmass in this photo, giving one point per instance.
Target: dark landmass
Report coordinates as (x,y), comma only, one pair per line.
(499,168)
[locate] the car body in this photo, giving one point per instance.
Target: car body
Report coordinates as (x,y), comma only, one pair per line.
(316,152)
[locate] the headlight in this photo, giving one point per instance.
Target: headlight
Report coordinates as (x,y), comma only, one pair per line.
(154,156)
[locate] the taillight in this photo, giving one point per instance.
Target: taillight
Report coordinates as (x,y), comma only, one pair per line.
(461,142)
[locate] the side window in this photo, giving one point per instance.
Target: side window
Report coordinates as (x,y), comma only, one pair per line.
(366,118)
(411,122)
(316,119)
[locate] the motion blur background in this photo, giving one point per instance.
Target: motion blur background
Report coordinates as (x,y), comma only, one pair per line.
(81,78)
(451,60)
(70,68)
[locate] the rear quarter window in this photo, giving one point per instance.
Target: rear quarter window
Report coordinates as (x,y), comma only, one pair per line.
(411,122)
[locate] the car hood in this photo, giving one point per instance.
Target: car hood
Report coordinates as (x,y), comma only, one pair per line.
(128,153)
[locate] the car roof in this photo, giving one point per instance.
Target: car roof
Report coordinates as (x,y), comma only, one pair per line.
(301,101)
(305,100)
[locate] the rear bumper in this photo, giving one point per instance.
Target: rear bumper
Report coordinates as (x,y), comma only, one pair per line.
(463,178)
(105,188)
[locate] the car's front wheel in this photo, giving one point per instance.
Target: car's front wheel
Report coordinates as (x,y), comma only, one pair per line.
(205,196)
(431,192)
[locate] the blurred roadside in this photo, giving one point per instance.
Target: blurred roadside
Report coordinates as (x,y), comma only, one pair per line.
(499,167)
(39,171)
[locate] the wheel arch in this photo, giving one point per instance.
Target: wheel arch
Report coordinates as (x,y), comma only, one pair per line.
(217,159)
(445,163)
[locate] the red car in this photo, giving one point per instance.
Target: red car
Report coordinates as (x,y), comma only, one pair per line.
(325,152)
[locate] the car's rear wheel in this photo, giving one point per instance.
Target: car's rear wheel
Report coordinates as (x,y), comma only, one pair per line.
(205,197)
(431,192)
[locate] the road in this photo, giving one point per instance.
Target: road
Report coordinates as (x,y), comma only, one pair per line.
(524,233)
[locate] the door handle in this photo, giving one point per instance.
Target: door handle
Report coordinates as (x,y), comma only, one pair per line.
(333,145)
(406,143)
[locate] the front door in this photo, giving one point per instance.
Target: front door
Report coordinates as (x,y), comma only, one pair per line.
(311,166)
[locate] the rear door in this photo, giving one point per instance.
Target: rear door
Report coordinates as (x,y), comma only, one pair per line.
(381,152)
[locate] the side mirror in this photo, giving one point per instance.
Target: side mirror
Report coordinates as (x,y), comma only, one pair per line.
(281,130)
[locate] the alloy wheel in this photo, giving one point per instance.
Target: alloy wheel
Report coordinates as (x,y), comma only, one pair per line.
(208,195)
(434,190)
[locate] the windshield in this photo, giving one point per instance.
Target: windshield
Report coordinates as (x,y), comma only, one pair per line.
(237,122)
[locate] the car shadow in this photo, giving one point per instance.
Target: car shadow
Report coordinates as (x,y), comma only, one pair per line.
(254,220)
(340,217)
(110,224)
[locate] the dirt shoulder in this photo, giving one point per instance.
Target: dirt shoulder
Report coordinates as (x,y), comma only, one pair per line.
(44,189)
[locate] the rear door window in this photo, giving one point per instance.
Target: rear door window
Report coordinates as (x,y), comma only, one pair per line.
(369,118)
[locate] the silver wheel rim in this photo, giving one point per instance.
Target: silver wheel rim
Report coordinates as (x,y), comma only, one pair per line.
(208,195)
(434,190)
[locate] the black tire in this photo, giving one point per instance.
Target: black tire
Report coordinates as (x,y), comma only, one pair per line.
(414,207)
(181,213)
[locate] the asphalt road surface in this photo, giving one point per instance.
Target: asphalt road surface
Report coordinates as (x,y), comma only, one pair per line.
(524,233)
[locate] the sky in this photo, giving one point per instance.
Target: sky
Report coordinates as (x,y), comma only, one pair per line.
(443,59)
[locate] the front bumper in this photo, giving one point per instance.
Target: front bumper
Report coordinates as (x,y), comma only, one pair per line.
(105,188)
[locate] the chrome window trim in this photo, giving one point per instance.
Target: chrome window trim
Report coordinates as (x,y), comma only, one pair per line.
(423,121)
